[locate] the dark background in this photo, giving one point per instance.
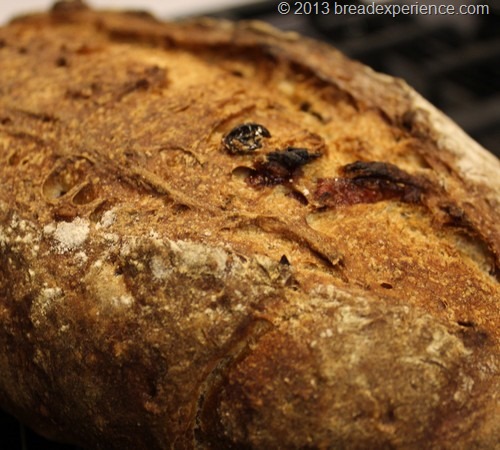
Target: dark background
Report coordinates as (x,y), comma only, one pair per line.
(453,61)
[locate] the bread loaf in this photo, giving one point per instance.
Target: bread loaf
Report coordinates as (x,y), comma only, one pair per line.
(218,235)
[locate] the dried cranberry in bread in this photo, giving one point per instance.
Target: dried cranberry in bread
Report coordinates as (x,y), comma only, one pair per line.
(217,235)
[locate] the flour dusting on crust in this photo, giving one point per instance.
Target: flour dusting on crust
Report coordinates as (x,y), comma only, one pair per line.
(71,235)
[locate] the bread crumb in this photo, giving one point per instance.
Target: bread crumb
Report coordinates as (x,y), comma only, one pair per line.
(158,268)
(108,219)
(239,307)
(196,255)
(26,239)
(326,333)
(51,293)
(286,88)
(3,238)
(82,257)
(123,300)
(465,388)
(44,302)
(111,237)
(71,235)
(49,229)
(443,343)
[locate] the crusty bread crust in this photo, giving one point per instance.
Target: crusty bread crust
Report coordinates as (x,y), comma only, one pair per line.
(218,235)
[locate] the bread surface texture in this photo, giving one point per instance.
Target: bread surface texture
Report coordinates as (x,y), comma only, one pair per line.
(218,235)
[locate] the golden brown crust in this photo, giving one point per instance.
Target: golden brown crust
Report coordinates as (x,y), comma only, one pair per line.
(217,235)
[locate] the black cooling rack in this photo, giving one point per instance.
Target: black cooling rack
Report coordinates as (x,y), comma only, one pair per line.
(453,61)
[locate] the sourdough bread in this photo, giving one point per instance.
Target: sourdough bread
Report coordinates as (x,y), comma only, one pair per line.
(218,235)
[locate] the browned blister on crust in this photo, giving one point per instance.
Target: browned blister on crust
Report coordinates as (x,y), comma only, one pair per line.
(218,235)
